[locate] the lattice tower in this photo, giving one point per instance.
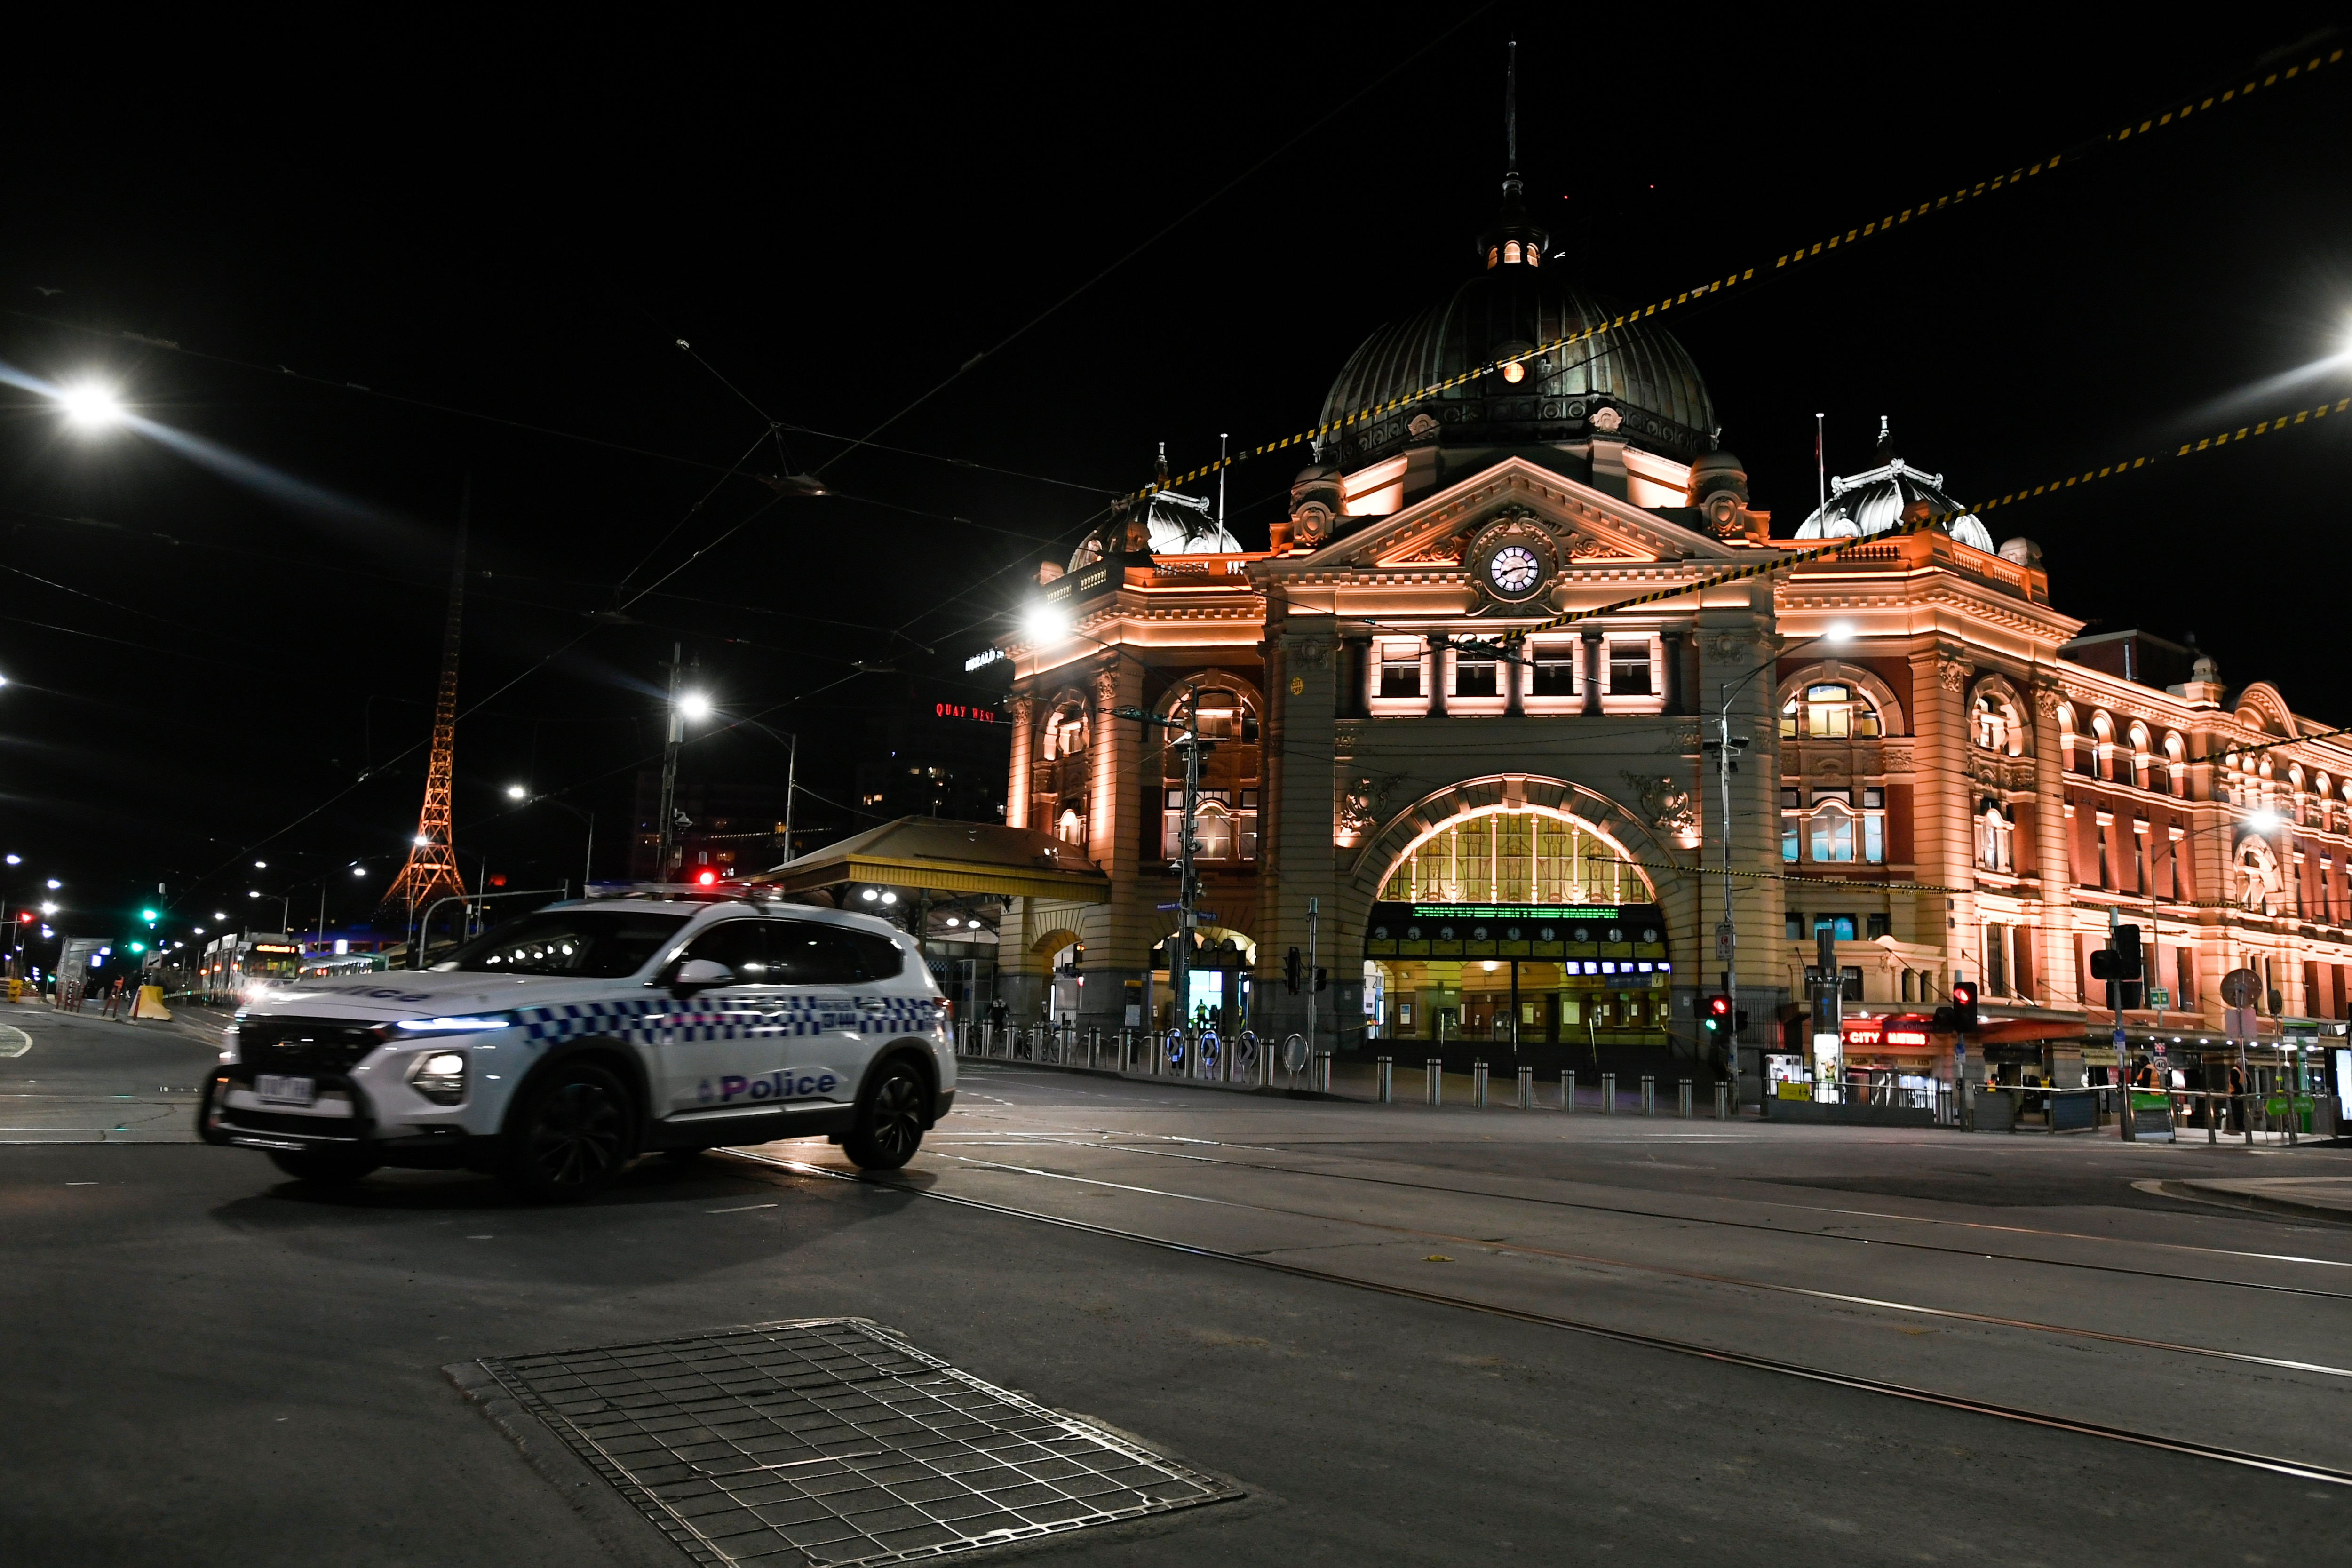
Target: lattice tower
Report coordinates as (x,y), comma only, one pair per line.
(431,871)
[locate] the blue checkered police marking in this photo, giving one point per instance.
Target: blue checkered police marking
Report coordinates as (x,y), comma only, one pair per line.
(715,1016)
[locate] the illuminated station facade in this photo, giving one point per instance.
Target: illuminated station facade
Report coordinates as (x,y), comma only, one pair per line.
(1518,859)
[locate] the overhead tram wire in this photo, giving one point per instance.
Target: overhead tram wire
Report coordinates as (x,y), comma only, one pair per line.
(1164,230)
(1715,287)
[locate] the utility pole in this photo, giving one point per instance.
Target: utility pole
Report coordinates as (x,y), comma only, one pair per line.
(1727,935)
(669,764)
(1188,882)
(1314,979)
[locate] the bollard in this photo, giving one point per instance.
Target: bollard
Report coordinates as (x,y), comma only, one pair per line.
(1649,1094)
(1609,1094)
(1478,1083)
(987,1039)
(1435,1088)
(1568,1089)
(1094,1049)
(1321,1081)
(1388,1096)
(1722,1100)
(1686,1105)
(2212,1133)
(1527,1089)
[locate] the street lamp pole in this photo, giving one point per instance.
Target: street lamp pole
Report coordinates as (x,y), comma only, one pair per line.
(669,763)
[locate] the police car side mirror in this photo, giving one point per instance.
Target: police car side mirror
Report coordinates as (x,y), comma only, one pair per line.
(699,974)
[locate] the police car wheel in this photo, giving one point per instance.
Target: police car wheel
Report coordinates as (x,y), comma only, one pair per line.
(328,1167)
(890,1124)
(570,1136)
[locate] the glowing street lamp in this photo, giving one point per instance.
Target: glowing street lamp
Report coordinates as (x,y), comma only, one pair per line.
(516,792)
(695,706)
(90,405)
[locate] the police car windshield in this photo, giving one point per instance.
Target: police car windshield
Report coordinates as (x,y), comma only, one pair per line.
(604,944)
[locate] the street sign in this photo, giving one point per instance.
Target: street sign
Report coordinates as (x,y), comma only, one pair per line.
(2240,986)
(1723,938)
(2158,997)
(1294,1053)
(2116,1040)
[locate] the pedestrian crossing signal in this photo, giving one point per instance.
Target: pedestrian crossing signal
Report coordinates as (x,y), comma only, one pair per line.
(1964,1004)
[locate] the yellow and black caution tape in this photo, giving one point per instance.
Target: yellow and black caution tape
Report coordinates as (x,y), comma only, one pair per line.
(1781,561)
(1852,235)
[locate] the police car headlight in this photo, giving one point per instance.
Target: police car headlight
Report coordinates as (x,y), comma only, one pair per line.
(439,1077)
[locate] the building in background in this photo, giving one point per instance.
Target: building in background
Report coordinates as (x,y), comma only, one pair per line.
(1503,858)
(930,747)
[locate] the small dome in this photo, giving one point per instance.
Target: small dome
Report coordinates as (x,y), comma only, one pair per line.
(1718,470)
(1875,502)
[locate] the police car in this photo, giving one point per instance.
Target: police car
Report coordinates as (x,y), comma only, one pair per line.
(555,1048)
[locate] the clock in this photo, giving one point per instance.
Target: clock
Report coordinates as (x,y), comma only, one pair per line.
(1514,570)
(1512,561)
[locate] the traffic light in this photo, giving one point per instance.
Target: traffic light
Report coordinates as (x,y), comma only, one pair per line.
(150,916)
(1717,1013)
(1964,1004)
(2121,963)
(1290,972)
(1322,978)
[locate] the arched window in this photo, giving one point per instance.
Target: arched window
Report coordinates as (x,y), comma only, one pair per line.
(1071,828)
(1996,839)
(2069,743)
(1510,251)
(1226,810)
(2103,741)
(1832,832)
(1830,710)
(1066,731)
(2140,761)
(2175,767)
(1516,857)
(1995,721)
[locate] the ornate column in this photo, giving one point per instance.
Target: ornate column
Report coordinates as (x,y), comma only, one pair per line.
(1119,942)
(2054,942)
(1593,672)
(1941,849)
(1024,731)
(1670,654)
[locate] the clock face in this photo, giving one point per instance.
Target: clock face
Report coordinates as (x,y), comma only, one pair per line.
(1514,570)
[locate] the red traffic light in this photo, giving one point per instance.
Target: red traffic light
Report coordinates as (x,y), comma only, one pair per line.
(707,878)
(1964,994)
(1718,1006)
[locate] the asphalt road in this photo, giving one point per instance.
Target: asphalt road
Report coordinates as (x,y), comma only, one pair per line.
(204,1363)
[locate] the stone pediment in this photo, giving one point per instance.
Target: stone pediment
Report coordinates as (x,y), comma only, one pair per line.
(1588,527)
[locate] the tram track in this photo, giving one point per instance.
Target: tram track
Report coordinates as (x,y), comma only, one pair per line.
(1667,1270)
(2256,1285)
(2047,1420)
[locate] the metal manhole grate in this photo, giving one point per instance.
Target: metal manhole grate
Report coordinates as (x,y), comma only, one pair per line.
(831,1441)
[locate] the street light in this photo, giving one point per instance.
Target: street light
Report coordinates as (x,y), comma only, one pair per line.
(683,706)
(695,706)
(1836,633)
(89,404)
(588,864)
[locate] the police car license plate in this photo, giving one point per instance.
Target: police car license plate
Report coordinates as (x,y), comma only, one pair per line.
(275,1089)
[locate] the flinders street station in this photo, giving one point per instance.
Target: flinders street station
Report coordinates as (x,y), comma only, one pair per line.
(1505,839)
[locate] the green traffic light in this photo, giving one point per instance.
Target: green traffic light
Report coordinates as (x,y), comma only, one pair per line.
(138,947)
(149,915)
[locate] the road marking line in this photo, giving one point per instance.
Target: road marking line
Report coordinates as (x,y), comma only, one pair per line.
(14,1041)
(745,1209)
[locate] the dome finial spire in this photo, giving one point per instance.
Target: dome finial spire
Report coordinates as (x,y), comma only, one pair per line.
(1511,121)
(1885,442)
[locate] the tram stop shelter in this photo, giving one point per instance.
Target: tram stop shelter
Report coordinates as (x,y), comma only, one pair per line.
(927,855)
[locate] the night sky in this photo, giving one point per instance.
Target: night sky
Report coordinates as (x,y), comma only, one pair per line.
(390,264)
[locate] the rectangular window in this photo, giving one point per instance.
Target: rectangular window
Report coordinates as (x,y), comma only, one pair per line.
(1877,926)
(1400,669)
(1841,927)
(1874,799)
(1996,960)
(1873,837)
(1826,712)
(1555,671)
(1474,676)
(1629,668)
(1796,926)
(1788,837)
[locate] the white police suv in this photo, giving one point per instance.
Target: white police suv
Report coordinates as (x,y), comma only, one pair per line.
(556,1048)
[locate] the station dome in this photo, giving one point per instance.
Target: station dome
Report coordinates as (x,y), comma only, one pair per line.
(1878,501)
(1634,382)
